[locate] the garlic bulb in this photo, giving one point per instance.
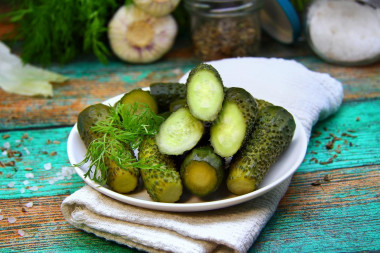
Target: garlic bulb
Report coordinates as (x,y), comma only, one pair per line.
(157,7)
(137,37)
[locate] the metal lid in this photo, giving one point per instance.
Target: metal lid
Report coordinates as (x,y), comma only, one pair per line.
(280,20)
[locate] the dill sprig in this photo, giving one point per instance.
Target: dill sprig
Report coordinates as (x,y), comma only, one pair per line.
(60,30)
(119,134)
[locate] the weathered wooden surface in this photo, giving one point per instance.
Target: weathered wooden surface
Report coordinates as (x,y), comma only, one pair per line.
(341,215)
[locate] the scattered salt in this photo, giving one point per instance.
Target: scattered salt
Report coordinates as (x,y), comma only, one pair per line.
(17,141)
(4,153)
(6,145)
(11,220)
(47,166)
(26,151)
(29,204)
(22,190)
(21,232)
(26,182)
(1,217)
(11,184)
(34,188)
(29,175)
(52,181)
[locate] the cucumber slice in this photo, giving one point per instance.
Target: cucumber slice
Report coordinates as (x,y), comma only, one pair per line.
(202,171)
(204,92)
(180,132)
(234,123)
(272,134)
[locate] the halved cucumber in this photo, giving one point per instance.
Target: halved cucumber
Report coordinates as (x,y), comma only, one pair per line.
(235,121)
(180,132)
(202,171)
(204,92)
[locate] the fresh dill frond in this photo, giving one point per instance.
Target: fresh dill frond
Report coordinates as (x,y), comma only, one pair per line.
(59,31)
(121,132)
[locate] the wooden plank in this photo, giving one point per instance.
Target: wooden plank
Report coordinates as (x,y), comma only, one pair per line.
(347,204)
(90,83)
(340,216)
(99,82)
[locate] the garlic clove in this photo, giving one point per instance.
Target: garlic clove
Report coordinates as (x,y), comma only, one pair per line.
(137,37)
(157,7)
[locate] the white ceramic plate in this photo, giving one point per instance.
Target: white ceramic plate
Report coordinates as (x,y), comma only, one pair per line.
(279,172)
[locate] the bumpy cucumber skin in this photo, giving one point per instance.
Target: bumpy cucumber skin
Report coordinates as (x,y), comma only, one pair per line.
(261,104)
(166,93)
(203,154)
(248,107)
(88,118)
(272,134)
(156,180)
(195,71)
(140,96)
(122,180)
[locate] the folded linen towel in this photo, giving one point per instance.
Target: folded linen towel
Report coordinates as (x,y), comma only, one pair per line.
(308,95)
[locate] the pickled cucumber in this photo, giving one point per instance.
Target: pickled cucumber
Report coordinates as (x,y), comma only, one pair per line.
(234,123)
(180,132)
(166,93)
(139,96)
(88,118)
(204,92)
(122,180)
(272,134)
(163,184)
(202,171)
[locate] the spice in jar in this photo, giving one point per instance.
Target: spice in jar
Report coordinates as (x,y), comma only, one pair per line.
(224,29)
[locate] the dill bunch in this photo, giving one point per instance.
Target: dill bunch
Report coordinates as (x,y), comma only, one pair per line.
(122,131)
(60,30)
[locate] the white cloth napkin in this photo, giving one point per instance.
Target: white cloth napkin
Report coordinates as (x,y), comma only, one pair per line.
(308,95)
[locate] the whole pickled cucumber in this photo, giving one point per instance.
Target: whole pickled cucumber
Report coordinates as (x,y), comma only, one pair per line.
(234,123)
(166,93)
(162,184)
(272,134)
(88,118)
(139,96)
(204,92)
(122,180)
(202,171)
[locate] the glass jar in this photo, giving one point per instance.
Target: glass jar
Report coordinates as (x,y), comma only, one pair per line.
(224,29)
(344,32)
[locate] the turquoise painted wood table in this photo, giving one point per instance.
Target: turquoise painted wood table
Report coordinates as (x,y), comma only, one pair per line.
(340,215)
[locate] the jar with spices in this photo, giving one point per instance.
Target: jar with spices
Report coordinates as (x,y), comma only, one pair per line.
(344,32)
(224,29)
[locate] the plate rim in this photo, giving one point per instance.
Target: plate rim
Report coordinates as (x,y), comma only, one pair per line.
(188,207)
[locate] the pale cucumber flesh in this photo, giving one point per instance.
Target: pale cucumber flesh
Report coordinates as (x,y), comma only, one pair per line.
(228,133)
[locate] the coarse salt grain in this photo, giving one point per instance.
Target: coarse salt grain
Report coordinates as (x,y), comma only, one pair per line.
(1,217)
(4,153)
(29,175)
(47,166)
(22,190)
(34,188)
(6,145)
(26,182)
(11,220)
(26,150)
(29,204)
(11,184)
(21,232)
